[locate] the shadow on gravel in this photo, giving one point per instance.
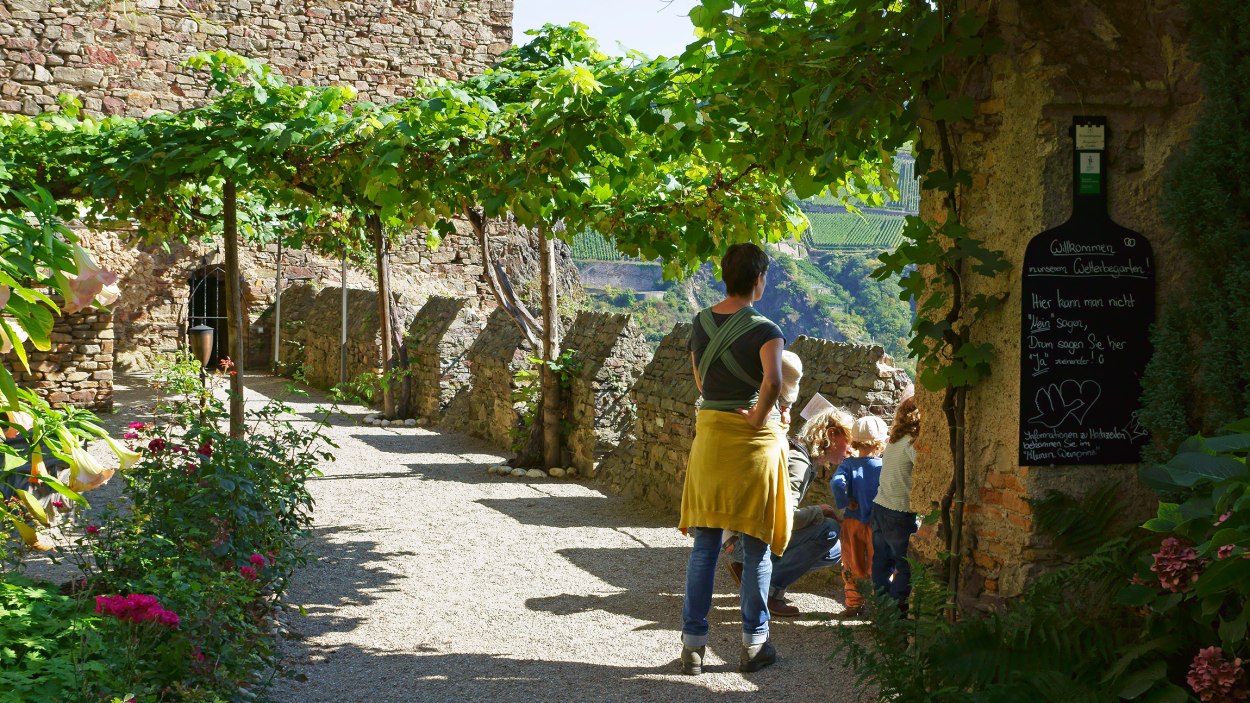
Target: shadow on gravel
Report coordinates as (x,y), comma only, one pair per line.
(343,570)
(408,441)
(385,677)
(574,511)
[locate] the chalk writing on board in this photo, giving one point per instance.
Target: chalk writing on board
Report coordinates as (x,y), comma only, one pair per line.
(1088,301)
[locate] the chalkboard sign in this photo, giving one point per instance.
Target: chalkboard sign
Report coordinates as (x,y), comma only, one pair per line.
(1088,299)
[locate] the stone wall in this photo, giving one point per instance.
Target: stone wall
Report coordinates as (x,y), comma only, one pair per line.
(1120,58)
(125,57)
(78,369)
(439,339)
(629,275)
(860,378)
(322,331)
(611,354)
(485,409)
(297,305)
(651,464)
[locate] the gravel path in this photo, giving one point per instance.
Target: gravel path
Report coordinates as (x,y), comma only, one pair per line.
(431,580)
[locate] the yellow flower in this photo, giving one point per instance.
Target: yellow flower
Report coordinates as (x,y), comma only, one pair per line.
(126,456)
(29,535)
(85,473)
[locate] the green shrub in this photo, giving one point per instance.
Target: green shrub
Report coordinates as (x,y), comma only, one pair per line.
(213,528)
(49,645)
(1156,615)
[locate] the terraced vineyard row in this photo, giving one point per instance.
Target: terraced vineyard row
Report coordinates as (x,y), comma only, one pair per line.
(592,246)
(844,230)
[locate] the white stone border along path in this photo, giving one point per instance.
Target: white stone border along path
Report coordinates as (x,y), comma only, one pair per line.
(432,580)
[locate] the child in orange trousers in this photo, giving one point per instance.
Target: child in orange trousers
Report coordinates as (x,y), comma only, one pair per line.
(854,487)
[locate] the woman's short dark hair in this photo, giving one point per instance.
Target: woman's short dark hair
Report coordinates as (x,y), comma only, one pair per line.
(741,266)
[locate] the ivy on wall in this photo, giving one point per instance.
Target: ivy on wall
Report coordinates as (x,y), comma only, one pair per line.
(1199,377)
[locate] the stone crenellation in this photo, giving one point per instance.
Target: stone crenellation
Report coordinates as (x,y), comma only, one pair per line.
(651,463)
(485,408)
(611,353)
(78,369)
(322,331)
(297,306)
(438,343)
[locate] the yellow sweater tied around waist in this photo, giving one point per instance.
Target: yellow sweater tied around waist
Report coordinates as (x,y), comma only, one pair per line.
(737,479)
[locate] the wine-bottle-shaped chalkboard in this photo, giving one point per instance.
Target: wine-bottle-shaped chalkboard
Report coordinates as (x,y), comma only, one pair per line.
(1088,300)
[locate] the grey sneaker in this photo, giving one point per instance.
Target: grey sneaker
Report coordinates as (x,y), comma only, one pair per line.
(757,657)
(692,660)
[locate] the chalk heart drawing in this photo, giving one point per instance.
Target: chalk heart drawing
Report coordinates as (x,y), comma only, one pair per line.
(1058,401)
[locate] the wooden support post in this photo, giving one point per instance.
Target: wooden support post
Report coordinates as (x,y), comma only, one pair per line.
(551,349)
(234,294)
(381,249)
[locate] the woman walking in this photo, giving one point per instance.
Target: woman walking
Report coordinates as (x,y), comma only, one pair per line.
(737,478)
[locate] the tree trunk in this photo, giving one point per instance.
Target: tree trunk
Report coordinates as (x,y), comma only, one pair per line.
(403,386)
(551,349)
(520,315)
(380,248)
(234,296)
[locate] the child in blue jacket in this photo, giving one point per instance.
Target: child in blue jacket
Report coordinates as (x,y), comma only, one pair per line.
(854,487)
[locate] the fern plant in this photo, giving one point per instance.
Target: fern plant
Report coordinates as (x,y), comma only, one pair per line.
(1060,641)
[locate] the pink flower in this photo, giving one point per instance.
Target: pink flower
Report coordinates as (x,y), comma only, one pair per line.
(1215,679)
(8,323)
(130,435)
(58,504)
(136,608)
(257,560)
(248,573)
(206,448)
(1178,566)
(137,426)
(92,530)
(1224,552)
(91,283)
(197,655)
(1224,517)
(157,445)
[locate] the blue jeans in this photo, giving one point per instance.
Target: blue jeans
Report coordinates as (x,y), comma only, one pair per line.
(813,547)
(700,574)
(891,530)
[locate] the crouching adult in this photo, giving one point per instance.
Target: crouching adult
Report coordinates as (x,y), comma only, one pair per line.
(814,540)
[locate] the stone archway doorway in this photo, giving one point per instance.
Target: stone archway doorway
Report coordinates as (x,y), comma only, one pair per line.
(207,306)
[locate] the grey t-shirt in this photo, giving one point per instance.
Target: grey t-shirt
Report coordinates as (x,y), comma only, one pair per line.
(896,464)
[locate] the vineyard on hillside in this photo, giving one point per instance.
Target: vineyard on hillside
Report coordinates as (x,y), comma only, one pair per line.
(844,230)
(592,246)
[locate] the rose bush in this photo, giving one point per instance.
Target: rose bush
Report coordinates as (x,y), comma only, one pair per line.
(179,585)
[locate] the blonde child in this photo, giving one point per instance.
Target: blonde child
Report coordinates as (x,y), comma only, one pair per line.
(854,486)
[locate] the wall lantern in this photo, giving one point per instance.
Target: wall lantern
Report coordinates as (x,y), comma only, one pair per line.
(200,338)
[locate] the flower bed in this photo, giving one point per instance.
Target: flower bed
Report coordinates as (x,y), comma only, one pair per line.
(178,586)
